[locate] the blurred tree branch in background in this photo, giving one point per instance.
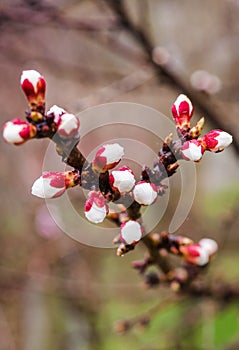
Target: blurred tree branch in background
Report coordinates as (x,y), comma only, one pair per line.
(205,104)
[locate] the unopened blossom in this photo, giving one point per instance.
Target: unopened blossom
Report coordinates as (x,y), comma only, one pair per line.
(182,111)
(95,208)
(17,131)
(217,140)
(53,184)
(34,86)
(122,179)
(130,232)
(195,254)
(68,125)
(192,150)
(107,157)
(56,112)
(145,193)
(209,244)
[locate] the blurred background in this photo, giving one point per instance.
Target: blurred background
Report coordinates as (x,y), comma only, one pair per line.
(56,293)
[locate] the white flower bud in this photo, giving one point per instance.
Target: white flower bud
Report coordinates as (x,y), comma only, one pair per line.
(192,150)
(17,131)
(107,157)
(95,208)
(130,232)
(68,125)
(209,245)
(122,179)
(57,112)
(145,193)
(50,185)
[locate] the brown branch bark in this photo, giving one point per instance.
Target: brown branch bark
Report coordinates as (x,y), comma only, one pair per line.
(155,256)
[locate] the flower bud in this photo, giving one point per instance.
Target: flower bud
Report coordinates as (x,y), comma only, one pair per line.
(130,232)
(68,125)
(95,208)
(34,86)
(192,150)
(145,193)
(17,131)
(57,112)
(122,179)
(50,185)
(195,254)
(53,184)
(209,245)
(107,157)
(217,140)
(182,111)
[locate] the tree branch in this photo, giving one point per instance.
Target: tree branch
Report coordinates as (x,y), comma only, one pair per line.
(200,99)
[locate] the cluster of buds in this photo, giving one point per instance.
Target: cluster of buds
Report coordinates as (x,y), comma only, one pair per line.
(193,253)
(39,124)
(194,146)
(194,256)
(106,182)
(102,179)
(122,182)
(67,124)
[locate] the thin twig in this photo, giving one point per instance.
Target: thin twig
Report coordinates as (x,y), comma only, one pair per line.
(123,326)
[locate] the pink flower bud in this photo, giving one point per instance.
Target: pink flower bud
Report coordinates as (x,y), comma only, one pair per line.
(17,131)
(50,185)
(192,150)
(195,254)
(95,208)
(53,184)
(182,111)
(130,232)
(34,86)
(122,179)
(209,245)
(68,125)
(107,157)
(145,193)
(56,112)
(217,140)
